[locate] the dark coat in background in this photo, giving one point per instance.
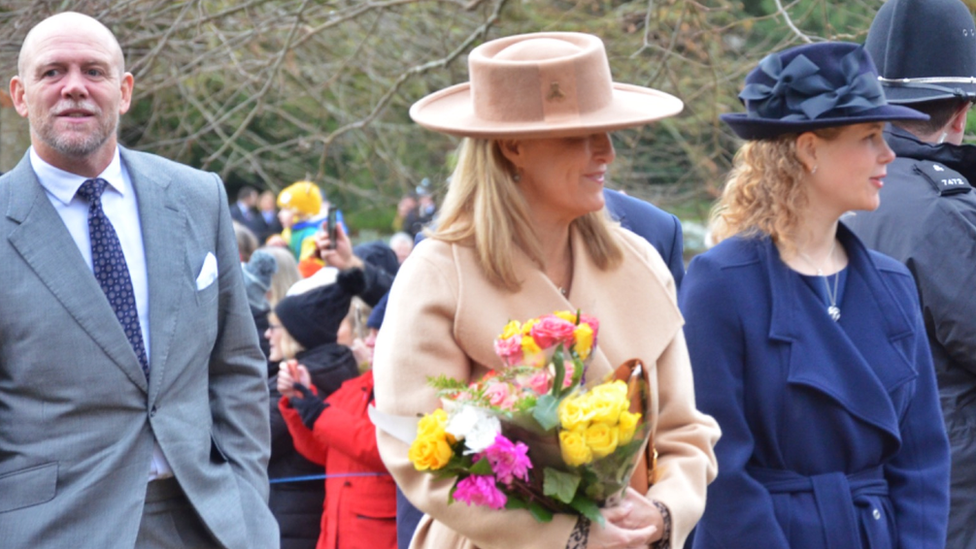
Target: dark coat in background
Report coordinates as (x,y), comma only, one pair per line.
(661,229)
(927,220)
(298,505)
(832,434)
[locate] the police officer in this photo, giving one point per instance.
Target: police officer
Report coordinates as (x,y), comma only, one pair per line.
(925,51)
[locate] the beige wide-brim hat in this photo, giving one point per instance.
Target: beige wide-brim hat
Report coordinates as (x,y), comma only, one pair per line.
(549,84)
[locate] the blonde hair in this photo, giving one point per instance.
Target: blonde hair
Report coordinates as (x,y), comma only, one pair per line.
(286,275)
(287,345)
(764,193)
(485,208)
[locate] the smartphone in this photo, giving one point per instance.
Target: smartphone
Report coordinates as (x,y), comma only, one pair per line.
(331,224)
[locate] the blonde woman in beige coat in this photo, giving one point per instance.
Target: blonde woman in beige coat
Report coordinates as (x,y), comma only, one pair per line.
(522,233)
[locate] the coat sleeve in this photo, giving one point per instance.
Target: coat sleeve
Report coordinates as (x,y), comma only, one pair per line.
(343,431)
(237,382)
(944,264)
(307,444)
(739,508)
(417,341)
(918,475)
(238,390)
(676,261)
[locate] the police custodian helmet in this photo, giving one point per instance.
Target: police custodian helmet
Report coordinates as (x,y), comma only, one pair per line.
(924,50)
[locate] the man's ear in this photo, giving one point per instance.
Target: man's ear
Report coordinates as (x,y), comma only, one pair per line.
(958,122)
(126,89)
(17,93)
(806,150)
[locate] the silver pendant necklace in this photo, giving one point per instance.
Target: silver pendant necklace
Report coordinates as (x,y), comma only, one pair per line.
(833,310)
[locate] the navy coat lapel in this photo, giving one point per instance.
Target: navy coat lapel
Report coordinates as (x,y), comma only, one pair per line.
(47,247)
(163,229)
(822,356)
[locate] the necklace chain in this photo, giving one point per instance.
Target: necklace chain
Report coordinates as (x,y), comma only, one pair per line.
(833,310)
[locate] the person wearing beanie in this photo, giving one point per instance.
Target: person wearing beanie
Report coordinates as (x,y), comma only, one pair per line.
(304,330)
(360,507)
(258,272)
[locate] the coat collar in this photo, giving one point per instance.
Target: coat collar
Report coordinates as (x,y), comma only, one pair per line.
(630,303)
(822,355)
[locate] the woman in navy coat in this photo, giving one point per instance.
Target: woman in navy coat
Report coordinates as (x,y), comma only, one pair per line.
(808,348)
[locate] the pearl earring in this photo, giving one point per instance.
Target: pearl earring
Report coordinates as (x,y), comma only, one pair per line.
(813,170)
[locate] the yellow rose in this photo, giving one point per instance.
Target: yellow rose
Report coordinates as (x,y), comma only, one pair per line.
(433,425)
(430,452)
(608,400)
(572,445)
(583,335)
(527,327)
(568,316)
(627,425)
(529,346)
(510,329)
(601,439)
(574,412)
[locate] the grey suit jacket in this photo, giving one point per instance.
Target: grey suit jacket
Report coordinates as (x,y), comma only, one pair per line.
(77,415)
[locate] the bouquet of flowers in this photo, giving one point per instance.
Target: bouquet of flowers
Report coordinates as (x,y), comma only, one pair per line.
(529,435)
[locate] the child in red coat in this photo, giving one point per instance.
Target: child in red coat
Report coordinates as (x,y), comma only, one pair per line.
(360,495)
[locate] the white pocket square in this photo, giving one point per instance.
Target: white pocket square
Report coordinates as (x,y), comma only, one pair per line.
(208,273)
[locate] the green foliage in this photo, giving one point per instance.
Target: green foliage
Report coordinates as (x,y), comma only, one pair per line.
(546,411)
(559,484)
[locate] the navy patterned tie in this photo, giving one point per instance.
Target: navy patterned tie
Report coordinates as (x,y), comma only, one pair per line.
(110,268)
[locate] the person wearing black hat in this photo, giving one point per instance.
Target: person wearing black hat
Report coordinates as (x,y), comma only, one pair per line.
(336,432)
(926,54)
(304,329)
(808,348)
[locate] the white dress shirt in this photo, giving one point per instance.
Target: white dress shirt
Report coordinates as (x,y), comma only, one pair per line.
(122,209)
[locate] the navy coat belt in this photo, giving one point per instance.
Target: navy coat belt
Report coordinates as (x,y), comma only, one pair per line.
(835,494)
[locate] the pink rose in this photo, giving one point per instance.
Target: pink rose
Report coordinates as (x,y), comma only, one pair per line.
(509,350)
(539,382)
(500,394)
(551,330)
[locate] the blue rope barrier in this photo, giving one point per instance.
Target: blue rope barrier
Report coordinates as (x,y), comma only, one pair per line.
(323,477)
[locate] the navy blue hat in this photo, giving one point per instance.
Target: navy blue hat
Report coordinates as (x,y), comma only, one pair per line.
(379,311)
(924,49)
(811,87)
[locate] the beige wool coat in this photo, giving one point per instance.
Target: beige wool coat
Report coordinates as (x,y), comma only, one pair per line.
(442,318)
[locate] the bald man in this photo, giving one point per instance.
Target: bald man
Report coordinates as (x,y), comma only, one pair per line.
(133,406)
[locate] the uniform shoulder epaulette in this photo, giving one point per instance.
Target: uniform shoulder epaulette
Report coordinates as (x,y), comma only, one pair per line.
(945,180)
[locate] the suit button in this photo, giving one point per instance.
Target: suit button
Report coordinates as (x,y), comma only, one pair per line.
(152,413)
(876,514)
(347,483)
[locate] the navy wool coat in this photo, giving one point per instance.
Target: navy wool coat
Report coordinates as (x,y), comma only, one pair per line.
(832,431)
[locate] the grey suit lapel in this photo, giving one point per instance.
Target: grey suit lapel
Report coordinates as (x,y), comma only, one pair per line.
(47,247)
(163,229)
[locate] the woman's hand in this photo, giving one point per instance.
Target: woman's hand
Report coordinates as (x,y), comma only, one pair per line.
(634,522)
(341,256)
(289,373)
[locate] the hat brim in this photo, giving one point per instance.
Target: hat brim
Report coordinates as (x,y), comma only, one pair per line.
(450,111)
(761,128)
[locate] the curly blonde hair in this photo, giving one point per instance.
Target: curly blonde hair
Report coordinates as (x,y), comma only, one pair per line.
(485,207)
(764,193)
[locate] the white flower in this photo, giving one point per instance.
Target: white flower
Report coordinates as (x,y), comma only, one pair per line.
(475,426)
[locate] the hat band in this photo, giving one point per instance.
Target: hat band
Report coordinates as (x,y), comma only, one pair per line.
(932,84)
(929,80)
